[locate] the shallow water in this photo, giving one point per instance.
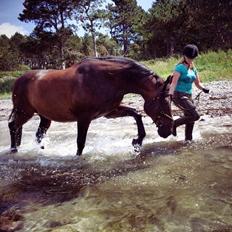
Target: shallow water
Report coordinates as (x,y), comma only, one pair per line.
(169,186)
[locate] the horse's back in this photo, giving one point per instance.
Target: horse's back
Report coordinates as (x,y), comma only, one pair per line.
(116,66)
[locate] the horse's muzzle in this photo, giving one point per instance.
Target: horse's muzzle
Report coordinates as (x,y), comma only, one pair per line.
(164,131)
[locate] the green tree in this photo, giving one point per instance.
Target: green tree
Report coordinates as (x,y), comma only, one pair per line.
(9,54)
(91,14)
(107,46)
(124,18)
(210,25)
(16,41)
(86,47)
(73,50)
(173,23)
(50,16)
(165,27)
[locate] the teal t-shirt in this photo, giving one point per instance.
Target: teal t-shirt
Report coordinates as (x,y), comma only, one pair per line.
(186,79)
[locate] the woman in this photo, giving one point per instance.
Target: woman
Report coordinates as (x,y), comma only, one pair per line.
(181,90)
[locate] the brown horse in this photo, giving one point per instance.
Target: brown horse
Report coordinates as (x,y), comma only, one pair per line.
(90,89)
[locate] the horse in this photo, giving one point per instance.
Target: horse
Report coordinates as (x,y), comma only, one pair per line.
(92,88)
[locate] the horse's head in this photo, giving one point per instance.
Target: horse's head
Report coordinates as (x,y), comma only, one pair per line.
(159,109)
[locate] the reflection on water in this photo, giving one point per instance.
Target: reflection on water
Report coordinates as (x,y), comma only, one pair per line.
(170,186)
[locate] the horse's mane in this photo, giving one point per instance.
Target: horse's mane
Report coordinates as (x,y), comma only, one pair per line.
(133,67)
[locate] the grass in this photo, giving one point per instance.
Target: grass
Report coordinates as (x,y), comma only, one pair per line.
(7,79)
(11,73)
(5,96)
(212,66)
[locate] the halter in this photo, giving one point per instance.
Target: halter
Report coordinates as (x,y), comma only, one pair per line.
(166,115)
(161,112)
(157,97)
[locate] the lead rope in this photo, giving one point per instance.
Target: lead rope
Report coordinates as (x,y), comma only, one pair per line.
(197,98)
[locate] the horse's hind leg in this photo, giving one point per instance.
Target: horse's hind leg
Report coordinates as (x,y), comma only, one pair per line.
(13,132)
(123,111)
(15,123)
(42,129)
(19,136)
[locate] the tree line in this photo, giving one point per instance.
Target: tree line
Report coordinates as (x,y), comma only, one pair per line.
(161,31)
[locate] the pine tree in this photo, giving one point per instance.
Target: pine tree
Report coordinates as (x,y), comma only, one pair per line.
(50,16)
(124,18)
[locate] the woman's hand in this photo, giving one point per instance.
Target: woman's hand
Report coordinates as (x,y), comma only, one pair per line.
(205,90)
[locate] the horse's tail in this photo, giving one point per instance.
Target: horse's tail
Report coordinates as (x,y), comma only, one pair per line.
(20,88)
(12,115)
(20,95)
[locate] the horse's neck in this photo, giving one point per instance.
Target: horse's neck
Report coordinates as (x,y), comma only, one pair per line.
(146,87)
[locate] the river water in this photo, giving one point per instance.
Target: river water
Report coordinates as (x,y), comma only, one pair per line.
(169,186)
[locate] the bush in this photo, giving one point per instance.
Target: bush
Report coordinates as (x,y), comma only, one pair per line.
(7,79)
(23,67)
(6,84)
(8,61)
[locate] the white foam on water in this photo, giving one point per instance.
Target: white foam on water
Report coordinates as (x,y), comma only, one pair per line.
(105,138)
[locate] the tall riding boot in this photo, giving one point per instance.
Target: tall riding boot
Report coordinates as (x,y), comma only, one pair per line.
(189,131)
(178,122)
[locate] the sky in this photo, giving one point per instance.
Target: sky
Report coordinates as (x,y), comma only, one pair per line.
(10,9)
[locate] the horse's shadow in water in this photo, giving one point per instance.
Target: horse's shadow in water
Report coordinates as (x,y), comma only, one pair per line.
(56,184)
(53,185)
(161,149)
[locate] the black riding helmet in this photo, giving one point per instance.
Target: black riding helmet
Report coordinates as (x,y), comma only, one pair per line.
(191,51)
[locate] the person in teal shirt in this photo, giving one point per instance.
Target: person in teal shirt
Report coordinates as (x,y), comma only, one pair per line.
(185,74)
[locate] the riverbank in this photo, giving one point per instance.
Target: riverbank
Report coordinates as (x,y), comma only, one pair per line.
(217,103)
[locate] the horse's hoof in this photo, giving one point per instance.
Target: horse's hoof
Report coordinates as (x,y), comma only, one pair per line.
(135,142)
(137,148)
(78,154)
(137,145)
(13,150)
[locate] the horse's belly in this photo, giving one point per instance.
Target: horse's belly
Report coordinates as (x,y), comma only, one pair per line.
(59,117)
(56,112)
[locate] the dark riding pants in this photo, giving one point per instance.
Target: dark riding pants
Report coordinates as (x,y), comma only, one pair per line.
(185,103)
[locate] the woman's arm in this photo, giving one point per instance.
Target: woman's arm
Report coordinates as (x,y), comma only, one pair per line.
(199,85)
(175,78)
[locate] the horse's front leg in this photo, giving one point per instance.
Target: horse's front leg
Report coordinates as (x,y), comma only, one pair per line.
(123,111)
(82,127)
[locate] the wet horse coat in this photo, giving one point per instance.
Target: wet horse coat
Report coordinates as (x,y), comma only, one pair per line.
(90,89)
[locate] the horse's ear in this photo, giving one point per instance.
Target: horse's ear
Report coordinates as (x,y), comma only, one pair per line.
(167,81)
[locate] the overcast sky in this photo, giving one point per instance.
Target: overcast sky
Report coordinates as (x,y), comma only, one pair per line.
(10,9)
